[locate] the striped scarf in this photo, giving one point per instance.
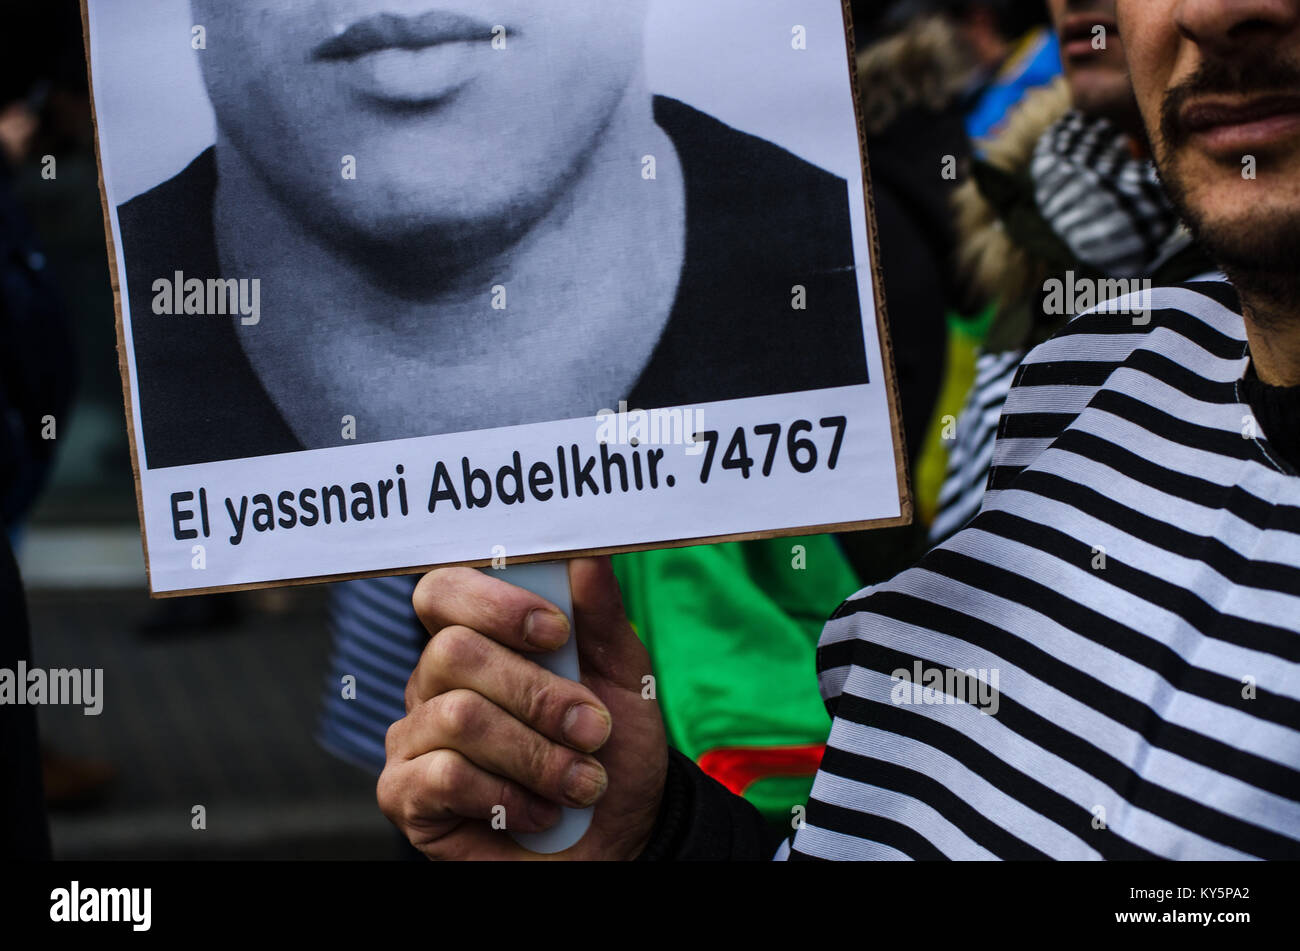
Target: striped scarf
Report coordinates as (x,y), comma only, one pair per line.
(1104,203)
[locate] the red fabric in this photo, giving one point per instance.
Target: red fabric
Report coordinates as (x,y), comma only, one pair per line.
(740,767)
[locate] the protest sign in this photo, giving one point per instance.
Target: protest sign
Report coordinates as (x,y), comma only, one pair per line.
(429,282)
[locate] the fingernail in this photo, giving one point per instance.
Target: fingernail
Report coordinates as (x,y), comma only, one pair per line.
(585,783)
(546,629)
(543,814)
(586,728)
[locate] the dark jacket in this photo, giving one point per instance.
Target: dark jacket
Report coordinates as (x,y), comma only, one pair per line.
(38,370)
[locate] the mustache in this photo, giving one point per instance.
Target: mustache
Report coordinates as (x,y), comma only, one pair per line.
(1259,76)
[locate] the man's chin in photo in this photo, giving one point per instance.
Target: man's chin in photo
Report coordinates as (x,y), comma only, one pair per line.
(1219,85)
(446,109)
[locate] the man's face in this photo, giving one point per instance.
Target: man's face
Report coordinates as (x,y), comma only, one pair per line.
(446,130)
(1218,83)
(1093,56)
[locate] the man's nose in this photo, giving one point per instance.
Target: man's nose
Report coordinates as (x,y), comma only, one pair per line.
(1230,27)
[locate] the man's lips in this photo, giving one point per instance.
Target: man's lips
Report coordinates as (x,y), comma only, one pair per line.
(1237,127)
(1078,31)
(389,31)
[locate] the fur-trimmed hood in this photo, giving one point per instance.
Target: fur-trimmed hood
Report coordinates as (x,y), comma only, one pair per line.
(927,65)
(991,264)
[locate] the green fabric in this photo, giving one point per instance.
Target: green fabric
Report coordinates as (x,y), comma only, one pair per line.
(972,328)
(732,632)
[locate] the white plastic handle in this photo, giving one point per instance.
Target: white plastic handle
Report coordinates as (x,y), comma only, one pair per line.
(550,580)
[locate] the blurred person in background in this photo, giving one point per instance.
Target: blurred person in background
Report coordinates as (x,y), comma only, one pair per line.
(38,357)
(1067,191)
(28,391)
(1020,52)
(1004,46)
(917,78)
(34,383)
(932,74)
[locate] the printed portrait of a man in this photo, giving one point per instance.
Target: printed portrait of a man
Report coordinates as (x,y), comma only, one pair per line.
(438,216)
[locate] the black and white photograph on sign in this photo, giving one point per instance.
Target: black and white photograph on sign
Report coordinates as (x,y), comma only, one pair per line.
(580,260)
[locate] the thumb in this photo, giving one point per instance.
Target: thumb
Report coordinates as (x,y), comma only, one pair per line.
(607,645)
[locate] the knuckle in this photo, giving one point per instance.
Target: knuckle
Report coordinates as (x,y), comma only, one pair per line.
(408,812)
(454,648)
(446,772)
(441,651)
(458,713)
(424,598)
(431,592)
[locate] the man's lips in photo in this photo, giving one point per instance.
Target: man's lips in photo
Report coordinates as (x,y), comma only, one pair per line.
(1077,34)
(408,62)
(390,31)
(1233,128)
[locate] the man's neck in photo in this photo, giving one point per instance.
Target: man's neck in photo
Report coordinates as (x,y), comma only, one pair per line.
(574,254)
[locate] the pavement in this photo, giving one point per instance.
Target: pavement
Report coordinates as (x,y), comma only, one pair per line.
(220,718)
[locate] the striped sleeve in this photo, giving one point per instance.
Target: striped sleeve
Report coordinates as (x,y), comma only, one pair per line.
(1105,664)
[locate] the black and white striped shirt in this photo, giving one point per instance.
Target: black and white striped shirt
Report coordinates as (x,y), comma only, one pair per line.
(1131,583)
